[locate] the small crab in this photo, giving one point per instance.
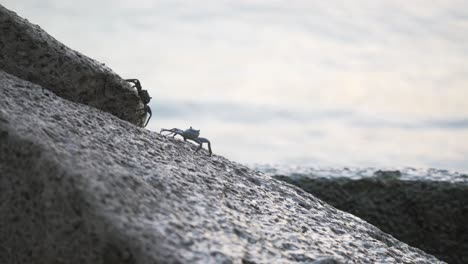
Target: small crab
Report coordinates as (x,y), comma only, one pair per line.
(191,134)
(144,96)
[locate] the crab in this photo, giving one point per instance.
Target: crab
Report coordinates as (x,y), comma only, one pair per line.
(144,96)
(191,134)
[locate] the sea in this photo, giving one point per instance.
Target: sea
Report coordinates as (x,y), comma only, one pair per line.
(308,83)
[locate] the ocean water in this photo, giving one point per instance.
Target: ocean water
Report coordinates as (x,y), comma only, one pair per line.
(312,83)
(402,174)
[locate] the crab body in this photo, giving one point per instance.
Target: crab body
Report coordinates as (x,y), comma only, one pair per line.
(190,134)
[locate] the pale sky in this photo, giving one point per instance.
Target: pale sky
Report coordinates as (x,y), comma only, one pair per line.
(333,83)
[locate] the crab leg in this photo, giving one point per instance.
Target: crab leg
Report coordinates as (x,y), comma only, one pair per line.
(148,110)
(200,141)
(135,82)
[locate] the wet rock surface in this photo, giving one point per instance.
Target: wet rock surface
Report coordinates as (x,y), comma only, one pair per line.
(78,185)
(29,53)
(426,208)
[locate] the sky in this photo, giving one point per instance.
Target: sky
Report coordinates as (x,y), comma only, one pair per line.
(311,83)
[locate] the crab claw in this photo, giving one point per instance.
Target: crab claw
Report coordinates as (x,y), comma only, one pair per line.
(167,130)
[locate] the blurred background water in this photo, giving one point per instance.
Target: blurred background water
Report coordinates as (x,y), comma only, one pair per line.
(311,83)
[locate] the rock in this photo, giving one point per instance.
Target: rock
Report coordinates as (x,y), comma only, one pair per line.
(78,185)
(29,53)
(429,212)
(387,175)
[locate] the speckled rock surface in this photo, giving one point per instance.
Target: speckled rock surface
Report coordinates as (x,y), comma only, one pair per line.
(78,185)
(31,54)
(426,208)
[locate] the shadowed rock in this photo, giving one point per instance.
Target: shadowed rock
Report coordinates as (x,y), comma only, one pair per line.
(426,211)
(28,52)
(78,185)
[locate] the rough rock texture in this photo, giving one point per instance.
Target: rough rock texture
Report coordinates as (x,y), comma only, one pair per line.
(30,53)
(429,212)
(78,185)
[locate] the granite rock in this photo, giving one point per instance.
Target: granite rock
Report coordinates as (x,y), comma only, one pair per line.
(427,209)
(30,53)
(79,185)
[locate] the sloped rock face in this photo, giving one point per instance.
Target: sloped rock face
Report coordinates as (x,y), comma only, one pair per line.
(78,185)
(429,212)
(29,53)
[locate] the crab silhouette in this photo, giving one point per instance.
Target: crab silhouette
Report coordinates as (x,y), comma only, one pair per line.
(144,96)
(191,134)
